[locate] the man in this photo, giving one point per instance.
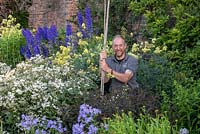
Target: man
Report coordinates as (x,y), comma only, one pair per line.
(121,66)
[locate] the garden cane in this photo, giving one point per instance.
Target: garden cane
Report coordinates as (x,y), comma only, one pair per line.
(106,15)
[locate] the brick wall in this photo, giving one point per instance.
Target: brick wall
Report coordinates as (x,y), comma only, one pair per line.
(48,12)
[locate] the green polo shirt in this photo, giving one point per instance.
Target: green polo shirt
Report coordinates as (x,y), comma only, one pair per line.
(128,63)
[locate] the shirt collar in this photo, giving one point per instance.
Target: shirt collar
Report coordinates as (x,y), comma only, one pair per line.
(125,58)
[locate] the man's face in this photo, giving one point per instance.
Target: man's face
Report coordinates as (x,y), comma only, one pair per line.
(119,47)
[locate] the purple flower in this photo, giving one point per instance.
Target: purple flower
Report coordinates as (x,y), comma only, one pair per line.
(45,51)
(36,50)
(80,22)
(87,113)
(45,125)
(78,128)
(44,34)
(80,19)
(89,27)
(68,34)
(106,127)
(92,129)
(68,30)
(85,118)
(54,32)
(28,36)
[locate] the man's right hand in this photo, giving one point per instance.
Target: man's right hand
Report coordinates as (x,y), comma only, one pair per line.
(103,55)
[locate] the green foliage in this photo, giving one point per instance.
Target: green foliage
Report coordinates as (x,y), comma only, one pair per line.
(176,25)
(155,73)
(119,15)
(186,103)
(125,124)
(86,56)
(11,40)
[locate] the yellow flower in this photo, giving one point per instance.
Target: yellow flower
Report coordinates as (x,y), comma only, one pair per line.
(92,54)
(164,48)
(94,68)
(153,40)
(79,34)
(82,42)
(81,72)
(109,75)
(146,50)
(85,51)
(135,47)
(98,38)
(131,34)
(83,26)
(75,55)
(157,51)
(88,61)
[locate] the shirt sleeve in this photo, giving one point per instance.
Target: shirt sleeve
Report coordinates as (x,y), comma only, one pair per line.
(132,64)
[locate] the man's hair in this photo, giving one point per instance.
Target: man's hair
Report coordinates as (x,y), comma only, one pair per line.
(118,36)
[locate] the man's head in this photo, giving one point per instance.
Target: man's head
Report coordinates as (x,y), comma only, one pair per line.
(119,47)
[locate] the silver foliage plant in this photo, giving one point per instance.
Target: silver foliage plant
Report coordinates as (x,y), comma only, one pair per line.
(34,86)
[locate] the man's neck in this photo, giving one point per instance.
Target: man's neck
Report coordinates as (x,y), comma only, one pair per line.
(120,58)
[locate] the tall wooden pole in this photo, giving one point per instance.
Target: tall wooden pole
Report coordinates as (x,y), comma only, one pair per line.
(106,16)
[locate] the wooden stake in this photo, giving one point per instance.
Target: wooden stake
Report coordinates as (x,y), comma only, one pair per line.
(106,16)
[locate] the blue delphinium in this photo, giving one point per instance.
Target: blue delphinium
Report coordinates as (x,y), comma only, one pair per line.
(68,37)
(52,33)
(88,18)
(86,33)
(80,19)
(35,44)
(28,36)
(80,22)
(26,52)
(45,51)
(41,125)
(86,118)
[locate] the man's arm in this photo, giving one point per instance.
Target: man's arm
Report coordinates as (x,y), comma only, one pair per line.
(123,77)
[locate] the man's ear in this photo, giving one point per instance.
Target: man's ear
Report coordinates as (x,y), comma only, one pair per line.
(125,45)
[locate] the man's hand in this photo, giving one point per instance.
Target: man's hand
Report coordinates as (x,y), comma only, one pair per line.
(104,66)
(103,55)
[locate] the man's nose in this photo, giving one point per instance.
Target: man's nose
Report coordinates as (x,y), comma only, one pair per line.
(117,47)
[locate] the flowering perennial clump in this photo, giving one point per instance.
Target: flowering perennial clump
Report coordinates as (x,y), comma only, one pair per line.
(86,28)
(44,39)
(41,125)
(86,120)
(38,86)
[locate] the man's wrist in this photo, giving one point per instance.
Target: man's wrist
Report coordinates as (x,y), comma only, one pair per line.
(111,71)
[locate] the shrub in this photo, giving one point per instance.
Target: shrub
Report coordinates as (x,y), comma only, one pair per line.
(41,88)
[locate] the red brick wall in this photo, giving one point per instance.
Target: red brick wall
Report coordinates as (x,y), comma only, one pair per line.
(48,12)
